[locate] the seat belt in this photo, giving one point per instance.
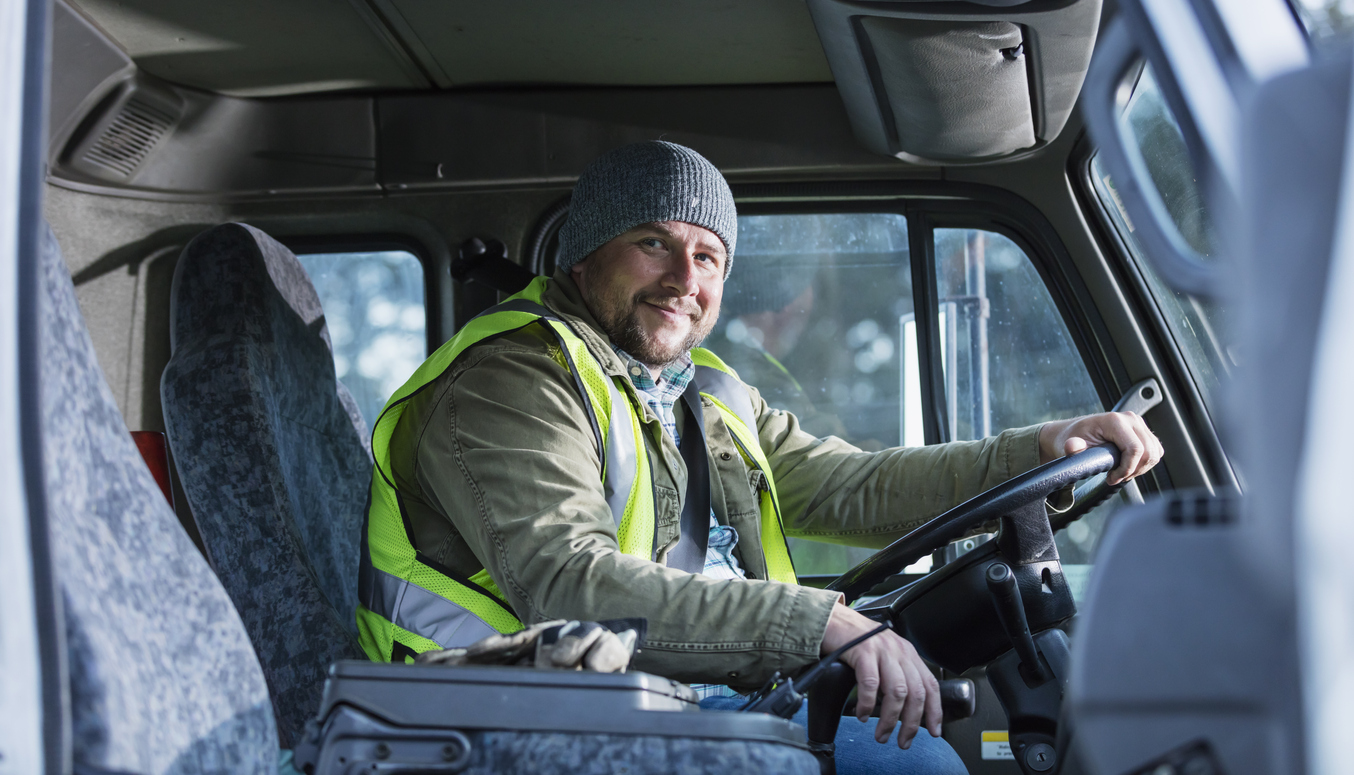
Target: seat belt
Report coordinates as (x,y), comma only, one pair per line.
(689,553)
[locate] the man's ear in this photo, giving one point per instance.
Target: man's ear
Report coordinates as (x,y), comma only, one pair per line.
(577,273)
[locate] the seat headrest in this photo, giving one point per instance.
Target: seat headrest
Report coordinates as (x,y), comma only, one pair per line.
(235,282)
(232,270)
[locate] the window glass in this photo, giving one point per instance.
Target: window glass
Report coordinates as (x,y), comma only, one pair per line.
(1008,357)
(1326,19)
(817,314)
(374,309)
(1194,323)
(1159,140)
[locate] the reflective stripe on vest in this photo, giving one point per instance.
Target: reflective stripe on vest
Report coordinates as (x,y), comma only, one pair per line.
(410,604)
(614,448)
(721,385)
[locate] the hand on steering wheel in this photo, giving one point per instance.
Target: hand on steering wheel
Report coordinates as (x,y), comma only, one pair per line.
(1139,448)
(889,669)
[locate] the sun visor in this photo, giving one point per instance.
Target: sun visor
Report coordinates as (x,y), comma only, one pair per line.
(945,83)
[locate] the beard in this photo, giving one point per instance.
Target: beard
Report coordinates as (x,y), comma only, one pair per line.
(619,319)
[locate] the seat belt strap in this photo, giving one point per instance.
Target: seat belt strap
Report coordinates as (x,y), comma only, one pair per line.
(689,553)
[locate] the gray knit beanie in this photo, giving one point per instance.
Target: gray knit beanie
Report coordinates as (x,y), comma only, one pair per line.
(645,183)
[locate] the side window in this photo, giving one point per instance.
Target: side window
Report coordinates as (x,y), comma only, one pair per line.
(813,316)
(1008,358)
(1326,21)
(1194,323)
(1007,355)
(374,308)
(818,315)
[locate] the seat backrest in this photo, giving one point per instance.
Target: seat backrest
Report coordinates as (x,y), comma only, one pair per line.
(162,676)
(270,449)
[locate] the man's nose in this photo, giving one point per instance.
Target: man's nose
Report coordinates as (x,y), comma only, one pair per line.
(681,274)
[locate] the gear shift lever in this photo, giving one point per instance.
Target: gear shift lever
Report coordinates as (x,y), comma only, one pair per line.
(1001,583)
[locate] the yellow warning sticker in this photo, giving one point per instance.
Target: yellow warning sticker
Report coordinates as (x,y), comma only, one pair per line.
(997,744)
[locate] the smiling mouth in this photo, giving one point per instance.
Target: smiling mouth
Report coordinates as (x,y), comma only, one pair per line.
(674,313)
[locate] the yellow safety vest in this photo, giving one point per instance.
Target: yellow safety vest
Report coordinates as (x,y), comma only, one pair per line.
(410,604)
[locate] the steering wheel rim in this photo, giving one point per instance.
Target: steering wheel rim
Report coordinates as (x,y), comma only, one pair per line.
(1004,500)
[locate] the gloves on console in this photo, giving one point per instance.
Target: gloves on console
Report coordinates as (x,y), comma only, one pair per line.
(604,647)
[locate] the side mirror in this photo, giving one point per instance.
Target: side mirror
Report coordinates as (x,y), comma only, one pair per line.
(1114,74)
(1204,68)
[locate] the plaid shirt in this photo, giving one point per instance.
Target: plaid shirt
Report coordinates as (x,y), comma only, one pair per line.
(661,396)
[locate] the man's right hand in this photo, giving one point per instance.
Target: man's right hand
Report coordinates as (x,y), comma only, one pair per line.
(889,673)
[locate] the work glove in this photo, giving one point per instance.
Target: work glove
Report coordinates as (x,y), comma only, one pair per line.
(585,646)
(515,648)
(604,647)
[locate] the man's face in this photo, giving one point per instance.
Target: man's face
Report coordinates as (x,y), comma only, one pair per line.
(655,289)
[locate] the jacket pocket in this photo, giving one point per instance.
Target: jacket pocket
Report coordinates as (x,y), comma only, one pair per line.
(757,480)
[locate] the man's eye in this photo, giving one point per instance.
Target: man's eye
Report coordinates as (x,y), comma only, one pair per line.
(651,242)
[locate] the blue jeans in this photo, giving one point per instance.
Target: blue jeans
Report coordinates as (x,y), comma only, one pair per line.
(859,754)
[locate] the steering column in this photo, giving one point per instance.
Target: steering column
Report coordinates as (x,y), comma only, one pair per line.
(996,606)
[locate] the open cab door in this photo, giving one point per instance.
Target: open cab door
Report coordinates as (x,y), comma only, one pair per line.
(32,738)
(1216,632)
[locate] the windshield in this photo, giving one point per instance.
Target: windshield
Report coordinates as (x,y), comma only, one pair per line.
(1194,323)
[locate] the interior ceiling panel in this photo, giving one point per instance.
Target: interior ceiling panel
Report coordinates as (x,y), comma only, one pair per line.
(613,42)
(257,48)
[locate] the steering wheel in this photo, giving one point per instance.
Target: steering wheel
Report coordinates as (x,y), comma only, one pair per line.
(998,605)
(1026,533)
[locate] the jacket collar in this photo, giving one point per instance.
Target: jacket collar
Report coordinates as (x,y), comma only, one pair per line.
(563,298)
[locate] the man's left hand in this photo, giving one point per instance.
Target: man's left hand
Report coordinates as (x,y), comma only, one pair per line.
(1139,448)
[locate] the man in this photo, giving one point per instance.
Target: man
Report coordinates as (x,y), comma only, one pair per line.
(537,466)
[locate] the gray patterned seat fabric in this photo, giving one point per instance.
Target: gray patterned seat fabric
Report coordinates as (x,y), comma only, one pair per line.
(272,453)
(162,676)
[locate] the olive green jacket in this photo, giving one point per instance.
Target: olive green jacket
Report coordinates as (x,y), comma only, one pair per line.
(498,467)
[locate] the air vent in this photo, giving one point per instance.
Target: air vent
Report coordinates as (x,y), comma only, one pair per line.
(129,138)
(122,131)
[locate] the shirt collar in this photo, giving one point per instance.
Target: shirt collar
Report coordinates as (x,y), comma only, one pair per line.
(672,381)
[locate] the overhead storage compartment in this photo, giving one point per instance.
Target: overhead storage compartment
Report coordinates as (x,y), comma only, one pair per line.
(953,89)
(956,82)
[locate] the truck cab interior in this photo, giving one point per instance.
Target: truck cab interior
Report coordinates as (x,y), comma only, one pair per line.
(241,227)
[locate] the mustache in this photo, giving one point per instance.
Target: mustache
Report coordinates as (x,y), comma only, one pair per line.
(670,303)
